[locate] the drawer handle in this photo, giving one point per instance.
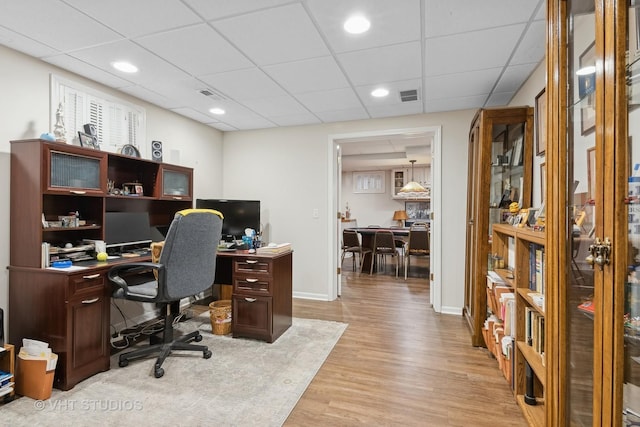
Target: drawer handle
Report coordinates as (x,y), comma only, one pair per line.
(91,301)
(177,198)
(252,261)
(251,280)
(78,192)
(91,276)
(247,299)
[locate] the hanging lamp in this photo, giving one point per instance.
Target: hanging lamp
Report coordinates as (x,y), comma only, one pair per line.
(412,186)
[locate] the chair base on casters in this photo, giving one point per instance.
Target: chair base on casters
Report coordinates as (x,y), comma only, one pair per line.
(164,348)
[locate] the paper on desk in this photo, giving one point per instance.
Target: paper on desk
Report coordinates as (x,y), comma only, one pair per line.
(70,268)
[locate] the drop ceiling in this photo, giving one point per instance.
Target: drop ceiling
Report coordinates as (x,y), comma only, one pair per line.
(273,63)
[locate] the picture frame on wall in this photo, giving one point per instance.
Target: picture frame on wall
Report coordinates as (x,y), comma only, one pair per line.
(540,119)
(587,89)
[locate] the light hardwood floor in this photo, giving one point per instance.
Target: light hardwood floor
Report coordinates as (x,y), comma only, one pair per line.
(399,363)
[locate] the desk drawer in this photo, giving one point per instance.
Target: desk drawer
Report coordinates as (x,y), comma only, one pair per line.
(252,284)
(252,265)
(86,282)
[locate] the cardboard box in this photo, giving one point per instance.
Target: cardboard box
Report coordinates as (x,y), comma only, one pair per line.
(32,378)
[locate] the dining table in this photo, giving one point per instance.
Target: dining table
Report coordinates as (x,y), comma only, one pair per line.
(368,234)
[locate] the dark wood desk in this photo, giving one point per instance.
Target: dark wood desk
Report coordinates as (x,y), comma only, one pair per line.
(368,234)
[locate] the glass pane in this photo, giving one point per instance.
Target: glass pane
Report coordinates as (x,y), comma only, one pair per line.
(175,183)
(631,376)
(74,171)
(581,207)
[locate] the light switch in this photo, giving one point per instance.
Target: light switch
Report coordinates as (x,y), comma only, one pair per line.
(316,213)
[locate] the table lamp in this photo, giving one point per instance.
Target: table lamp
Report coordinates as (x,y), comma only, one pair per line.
(400,216)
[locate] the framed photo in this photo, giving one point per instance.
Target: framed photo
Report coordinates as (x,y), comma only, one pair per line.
(368,182)
(88,141)
(586,91)
(540,116)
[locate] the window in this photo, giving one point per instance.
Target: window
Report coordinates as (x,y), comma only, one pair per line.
(117,122)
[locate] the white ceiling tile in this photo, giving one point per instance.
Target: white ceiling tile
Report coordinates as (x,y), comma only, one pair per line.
(328,100)
(275,35)
(23,44)
(400,109)
(223,127)
(513,77)
(395,24)
(532,46)
(461,84)
(135,18)
(383,64)
(308,75)
(542,10)
(461,16)
(151,97)
(453,104)
(250,83)
(222,8)
(296,120)
(151,68)
(499,99)
(214,54)
(195,115)
(275,106)
(343,115)
(87,70)
(471,51)
(54,23)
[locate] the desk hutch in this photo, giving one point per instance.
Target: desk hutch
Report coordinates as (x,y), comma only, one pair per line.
(70,309)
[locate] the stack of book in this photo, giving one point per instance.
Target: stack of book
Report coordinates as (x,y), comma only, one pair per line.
(6,383)
(274,248)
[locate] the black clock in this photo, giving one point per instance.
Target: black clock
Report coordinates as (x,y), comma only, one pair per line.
(130,150)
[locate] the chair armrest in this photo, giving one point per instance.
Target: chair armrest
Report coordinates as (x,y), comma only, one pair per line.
(133,267)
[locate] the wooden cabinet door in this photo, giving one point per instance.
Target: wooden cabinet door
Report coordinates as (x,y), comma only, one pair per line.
(593,212)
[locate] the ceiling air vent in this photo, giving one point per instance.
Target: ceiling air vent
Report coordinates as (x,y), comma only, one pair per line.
(408,95)
(212,93)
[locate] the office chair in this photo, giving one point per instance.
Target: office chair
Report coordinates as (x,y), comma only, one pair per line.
(418,245)
(384,245)
(351,243)
(186,267)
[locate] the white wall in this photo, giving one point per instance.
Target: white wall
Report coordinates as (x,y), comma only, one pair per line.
(289,175)
(24,109)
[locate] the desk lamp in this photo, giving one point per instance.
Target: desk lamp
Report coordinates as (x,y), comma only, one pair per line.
(400,216)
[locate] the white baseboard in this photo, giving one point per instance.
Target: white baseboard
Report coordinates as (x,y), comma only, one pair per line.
(307,295)
(451,310)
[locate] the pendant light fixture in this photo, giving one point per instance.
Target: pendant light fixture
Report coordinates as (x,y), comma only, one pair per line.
(412,186)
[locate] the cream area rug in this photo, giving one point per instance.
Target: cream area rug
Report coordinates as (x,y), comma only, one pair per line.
(245,383)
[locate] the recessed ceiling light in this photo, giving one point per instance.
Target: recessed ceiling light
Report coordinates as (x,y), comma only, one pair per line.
(380,92)
(217,111)
(357,24)
(125,67)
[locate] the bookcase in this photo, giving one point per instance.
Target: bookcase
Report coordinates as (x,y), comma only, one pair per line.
(523,252)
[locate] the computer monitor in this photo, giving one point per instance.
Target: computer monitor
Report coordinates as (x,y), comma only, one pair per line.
(126,229)
(238,215)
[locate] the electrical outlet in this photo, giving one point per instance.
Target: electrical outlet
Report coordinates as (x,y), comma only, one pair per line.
(315,213)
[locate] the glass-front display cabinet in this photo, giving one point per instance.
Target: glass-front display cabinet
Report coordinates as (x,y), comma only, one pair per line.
(499,174)
(593,212)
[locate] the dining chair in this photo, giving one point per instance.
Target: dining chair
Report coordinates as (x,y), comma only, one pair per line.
(418,245)
(384,245)
(351,244)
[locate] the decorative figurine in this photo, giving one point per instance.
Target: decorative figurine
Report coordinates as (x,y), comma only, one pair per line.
(58,129)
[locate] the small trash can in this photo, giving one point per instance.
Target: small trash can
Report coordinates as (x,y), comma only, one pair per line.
(34,376)
(220,314)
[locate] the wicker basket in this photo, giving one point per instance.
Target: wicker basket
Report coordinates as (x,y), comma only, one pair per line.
(220,314)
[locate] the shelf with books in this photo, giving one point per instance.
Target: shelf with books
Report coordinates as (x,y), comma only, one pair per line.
(524,249)
(7,369)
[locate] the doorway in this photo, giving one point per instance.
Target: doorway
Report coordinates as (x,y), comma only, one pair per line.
(335,197)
